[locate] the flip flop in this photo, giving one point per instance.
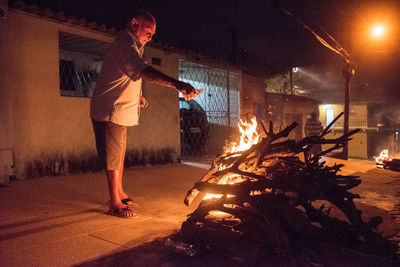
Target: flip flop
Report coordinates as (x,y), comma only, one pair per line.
(120,213)
(127,200)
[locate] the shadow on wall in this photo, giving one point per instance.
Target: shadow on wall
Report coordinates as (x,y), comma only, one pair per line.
(58,164)
(150,157)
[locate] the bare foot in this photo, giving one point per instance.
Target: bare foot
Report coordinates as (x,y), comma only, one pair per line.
(121,211)
(129,202)
(125,199)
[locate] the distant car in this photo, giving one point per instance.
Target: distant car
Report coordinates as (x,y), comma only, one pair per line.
(194,126)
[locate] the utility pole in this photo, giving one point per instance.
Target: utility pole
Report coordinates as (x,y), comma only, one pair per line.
(348,72)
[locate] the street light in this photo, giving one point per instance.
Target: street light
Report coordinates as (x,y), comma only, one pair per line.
(378,31)
(291,71)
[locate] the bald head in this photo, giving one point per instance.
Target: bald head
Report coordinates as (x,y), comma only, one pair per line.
(143,15)
(143,26)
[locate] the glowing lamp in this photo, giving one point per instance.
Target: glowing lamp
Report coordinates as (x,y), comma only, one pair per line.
(378,30)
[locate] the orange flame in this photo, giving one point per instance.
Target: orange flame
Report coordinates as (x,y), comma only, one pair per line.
(233,179)
(249,136)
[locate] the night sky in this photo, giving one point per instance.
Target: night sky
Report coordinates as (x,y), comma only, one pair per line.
(206,26)
(266,37)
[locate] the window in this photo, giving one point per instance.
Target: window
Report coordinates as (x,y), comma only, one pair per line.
(67,75)
(80,61)
(221,97)
(330,116)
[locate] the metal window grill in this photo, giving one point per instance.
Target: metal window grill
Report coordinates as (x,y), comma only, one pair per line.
(67,75)
(220,103)
(80,61)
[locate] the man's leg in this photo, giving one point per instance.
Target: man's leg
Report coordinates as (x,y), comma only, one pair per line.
(114,184)
(110,144)
(116,158)
(121,191)
(113,179)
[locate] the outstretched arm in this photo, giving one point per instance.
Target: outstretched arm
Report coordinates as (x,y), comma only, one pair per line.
(155,76)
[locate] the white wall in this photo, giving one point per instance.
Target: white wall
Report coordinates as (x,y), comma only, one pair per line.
(50,133)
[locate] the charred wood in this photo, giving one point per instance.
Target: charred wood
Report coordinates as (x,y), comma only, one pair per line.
(266,198)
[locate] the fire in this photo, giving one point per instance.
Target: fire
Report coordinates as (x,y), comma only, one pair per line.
(249,136)
(383,156)
(227,180)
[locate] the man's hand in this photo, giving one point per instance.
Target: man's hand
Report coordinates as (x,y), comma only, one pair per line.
(158,77)
(143,102)
(186,89)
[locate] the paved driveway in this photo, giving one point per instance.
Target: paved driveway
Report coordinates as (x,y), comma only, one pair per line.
(61,221)
(56,221)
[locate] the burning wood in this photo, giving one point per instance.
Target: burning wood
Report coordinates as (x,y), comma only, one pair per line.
(260,197)
(385,161)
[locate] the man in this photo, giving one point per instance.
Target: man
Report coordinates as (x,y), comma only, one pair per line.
(117,99)
(313,127)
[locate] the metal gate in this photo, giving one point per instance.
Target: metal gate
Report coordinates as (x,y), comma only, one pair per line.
(207,121)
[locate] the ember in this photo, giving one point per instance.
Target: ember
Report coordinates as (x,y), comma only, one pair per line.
(266,204)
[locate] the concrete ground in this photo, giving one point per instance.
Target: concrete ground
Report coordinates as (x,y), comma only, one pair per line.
(62,221)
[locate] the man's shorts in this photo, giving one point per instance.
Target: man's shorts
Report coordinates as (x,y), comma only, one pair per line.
(110,144)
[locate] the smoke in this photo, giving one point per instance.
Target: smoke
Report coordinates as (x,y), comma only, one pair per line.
(325,80)
(323,84)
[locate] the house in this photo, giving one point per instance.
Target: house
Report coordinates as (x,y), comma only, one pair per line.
(284,109)
(373,108)
(378,130)
(48,71)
